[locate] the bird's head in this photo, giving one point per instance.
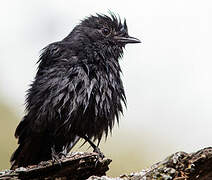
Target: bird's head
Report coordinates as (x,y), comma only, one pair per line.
(103,32)
(108,30)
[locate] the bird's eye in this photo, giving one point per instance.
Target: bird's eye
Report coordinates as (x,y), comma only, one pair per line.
(106,31)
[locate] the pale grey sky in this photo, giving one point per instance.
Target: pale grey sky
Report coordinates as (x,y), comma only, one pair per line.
(167,78)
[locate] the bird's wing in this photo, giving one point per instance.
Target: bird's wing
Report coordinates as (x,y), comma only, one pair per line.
(48,92)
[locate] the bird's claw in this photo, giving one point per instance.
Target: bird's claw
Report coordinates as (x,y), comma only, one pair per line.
(57,157)
(100,154)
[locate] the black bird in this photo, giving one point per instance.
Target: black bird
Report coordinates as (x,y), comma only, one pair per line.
(77,91)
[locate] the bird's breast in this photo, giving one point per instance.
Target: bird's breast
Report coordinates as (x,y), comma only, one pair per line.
(102,101)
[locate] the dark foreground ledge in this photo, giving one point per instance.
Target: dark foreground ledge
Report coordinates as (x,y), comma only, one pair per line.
(179,166)
(74,166)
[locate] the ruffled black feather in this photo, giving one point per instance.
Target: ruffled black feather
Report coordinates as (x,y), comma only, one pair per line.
(77,92)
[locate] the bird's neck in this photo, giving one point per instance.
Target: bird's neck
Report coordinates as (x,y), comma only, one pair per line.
(108,51)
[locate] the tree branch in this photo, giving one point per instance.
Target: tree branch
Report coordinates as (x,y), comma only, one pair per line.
(73,166)
(179,166)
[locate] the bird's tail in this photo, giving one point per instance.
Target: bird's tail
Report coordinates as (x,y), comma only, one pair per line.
(31,151)
(34,150)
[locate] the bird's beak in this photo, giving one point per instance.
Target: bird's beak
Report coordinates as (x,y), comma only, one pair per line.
(127,40)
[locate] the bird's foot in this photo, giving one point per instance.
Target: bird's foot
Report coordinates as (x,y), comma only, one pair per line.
(100,154)
(62,155)
(57,157)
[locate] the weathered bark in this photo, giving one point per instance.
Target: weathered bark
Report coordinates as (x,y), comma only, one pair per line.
(179,166)
(74,166)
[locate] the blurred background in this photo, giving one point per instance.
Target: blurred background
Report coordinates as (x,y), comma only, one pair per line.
(167,78)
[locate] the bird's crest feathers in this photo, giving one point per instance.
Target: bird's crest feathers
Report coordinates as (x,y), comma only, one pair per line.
(111,20)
